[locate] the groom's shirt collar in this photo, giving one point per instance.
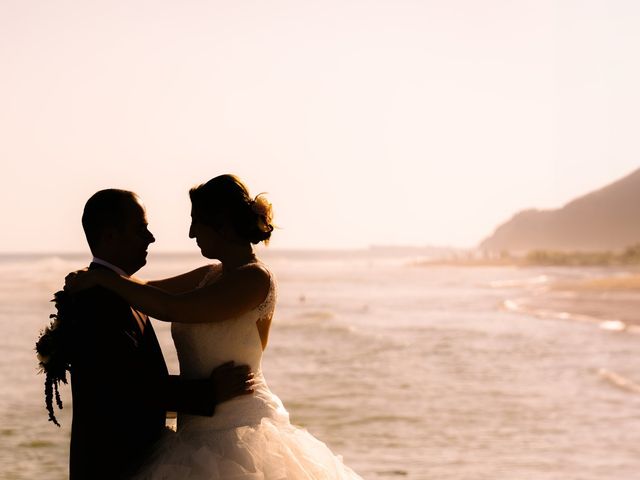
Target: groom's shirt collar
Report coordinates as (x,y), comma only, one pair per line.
(111,266)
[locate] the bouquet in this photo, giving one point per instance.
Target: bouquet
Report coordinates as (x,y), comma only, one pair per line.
(53,350)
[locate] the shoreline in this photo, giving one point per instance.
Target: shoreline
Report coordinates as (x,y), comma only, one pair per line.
(611,301)
(615,314)
(614,281)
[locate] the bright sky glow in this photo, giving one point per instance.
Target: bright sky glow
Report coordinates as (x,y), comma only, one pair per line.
(368,122)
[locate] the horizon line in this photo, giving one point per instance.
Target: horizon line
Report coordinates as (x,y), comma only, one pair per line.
(260,248)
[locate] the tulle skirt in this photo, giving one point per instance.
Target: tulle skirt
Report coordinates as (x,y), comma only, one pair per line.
(270,450)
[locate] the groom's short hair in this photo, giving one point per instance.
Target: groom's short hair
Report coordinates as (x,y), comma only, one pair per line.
(106,209)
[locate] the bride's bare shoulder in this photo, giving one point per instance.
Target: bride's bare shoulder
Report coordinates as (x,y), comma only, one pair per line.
(257,273)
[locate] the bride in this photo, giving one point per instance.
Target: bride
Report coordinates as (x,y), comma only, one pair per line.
(223,312)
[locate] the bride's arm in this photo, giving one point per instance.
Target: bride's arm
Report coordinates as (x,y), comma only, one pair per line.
(234,294)
(184,282)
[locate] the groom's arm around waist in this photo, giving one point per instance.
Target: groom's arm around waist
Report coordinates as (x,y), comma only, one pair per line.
(196,397)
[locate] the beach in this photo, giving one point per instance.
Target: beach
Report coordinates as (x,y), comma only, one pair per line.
(407,371)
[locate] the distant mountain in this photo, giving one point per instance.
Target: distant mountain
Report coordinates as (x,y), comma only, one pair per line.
(607,219)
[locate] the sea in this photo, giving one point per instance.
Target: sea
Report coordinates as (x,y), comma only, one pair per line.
(407,370)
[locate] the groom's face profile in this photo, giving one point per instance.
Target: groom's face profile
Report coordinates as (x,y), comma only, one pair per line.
(131,240)
(115,223)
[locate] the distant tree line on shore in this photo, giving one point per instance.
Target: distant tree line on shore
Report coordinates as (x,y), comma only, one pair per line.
(630,256)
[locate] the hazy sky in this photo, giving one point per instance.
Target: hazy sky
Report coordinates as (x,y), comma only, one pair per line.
(368,122)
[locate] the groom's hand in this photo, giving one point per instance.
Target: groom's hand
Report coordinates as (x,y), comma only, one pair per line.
(231,380)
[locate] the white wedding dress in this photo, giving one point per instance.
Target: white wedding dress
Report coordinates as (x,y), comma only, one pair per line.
(249,437)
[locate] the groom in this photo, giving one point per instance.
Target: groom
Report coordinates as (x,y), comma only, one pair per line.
(119,381)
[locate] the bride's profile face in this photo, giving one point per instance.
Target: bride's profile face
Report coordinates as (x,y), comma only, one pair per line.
(207,238)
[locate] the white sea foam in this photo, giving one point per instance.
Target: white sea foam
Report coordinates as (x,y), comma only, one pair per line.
(613,325)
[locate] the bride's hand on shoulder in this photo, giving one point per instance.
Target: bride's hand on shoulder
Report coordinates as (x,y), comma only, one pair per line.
(82,280)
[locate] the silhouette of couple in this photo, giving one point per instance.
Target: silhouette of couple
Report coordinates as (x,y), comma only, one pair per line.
(230,425)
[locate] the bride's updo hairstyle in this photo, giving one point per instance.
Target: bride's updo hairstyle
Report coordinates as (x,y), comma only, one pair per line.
(225,200)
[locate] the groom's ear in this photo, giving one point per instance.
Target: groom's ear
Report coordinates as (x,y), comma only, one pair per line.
(108,235)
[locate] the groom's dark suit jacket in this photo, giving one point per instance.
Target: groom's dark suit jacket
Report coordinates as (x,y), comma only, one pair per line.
(120,387)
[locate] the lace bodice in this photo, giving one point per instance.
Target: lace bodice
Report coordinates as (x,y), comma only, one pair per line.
(203,346)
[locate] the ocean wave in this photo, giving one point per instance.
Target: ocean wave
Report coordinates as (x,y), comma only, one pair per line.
(538,280)
(323,320)
(35,268)
(609,324)
(619,381)
(368,420)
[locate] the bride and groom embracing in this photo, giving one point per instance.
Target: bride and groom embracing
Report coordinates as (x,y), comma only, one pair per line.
(230,425)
